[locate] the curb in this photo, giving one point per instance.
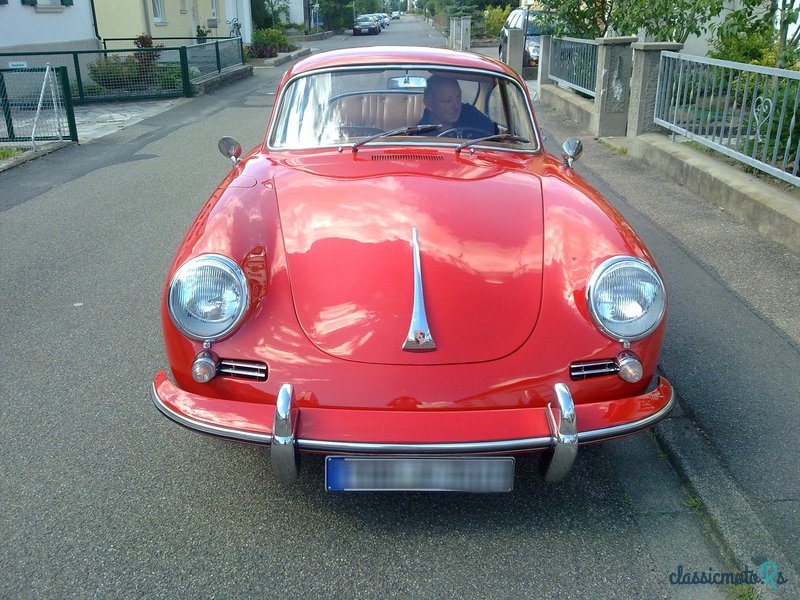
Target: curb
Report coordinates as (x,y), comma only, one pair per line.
(772,210)
(284,58)
(213,82)
(743,538)
(28,155)
(314,37)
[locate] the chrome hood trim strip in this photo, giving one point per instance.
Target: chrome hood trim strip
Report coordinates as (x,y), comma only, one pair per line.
(419,333)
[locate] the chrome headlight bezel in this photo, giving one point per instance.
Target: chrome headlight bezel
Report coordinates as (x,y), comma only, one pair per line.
(195,326)
(653,313)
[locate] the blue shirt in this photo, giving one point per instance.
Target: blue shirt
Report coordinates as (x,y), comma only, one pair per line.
(470,118)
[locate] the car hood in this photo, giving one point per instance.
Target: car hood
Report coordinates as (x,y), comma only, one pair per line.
(350,258)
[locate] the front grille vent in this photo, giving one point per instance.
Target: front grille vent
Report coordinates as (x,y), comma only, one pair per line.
(396,156)
(243,369)
(595,368)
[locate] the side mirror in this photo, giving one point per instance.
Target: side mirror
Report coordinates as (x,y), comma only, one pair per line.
(571,150)
(230,148)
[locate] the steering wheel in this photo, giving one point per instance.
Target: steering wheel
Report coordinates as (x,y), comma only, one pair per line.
(463,133)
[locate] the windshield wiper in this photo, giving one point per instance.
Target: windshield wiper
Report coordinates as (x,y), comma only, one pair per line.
(498,137)
(408,130)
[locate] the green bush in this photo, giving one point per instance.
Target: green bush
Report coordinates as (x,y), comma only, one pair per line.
(495,17)
(274,38)
(267,43)
(170,77)
(114,72)
(755,48)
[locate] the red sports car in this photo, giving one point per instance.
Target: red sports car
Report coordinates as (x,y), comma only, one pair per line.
(402,279)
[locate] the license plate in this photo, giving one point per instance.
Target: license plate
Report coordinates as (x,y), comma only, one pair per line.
(420,474)
(364,30)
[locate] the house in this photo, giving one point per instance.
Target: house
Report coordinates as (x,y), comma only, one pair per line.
(171,18)
(54,25)
(46,25)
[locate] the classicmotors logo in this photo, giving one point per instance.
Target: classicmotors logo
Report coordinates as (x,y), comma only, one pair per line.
(766,574)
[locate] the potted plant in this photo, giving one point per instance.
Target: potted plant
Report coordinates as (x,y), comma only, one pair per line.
(202,34)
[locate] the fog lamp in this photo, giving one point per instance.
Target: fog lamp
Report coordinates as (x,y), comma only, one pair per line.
(204,367)
(630,368)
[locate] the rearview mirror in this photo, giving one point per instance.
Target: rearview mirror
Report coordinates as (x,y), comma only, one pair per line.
(571,150)
(230,148)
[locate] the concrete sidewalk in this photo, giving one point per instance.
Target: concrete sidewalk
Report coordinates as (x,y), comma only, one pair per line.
(97,120)
(751,526)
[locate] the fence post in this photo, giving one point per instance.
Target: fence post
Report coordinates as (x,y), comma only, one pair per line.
(78,78)
(187,85)
(63,77)
(216,50)
(544,60)
(514,49)
(613,86)
(6,108)
(644,84)
(466,25)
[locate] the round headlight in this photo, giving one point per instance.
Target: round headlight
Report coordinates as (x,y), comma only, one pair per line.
(626,298)
(207,297)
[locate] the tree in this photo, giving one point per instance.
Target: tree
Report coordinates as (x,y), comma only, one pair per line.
(267,14)
(665,20)
(576,18)
(337,14)
(775,20)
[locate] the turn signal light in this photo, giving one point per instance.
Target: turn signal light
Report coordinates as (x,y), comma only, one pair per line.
(204,367)
(630,368)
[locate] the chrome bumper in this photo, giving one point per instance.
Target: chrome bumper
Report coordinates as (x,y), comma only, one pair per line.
(562,443)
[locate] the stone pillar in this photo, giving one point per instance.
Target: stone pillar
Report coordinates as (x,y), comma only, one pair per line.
(452,39)
(466,28)
(513,57)
(544,60)
(644,84)
(613,86)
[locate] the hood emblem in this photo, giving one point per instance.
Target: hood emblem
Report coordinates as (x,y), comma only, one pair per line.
(419,334)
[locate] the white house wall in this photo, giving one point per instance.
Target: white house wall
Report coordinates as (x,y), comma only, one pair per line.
(34,28)
(296,14)
(240,9)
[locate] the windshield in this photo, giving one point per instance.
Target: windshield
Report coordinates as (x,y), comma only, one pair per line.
(342,107)
(535,25)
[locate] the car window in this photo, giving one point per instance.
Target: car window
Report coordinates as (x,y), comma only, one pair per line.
(345,106)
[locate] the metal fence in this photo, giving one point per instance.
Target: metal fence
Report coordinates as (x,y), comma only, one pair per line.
(135,73)
(205,55)
(573,63)
(35,105)
(747,112)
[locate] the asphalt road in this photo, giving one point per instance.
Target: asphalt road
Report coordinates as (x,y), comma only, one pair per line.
(102,497)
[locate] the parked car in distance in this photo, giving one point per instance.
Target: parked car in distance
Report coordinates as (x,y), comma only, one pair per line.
(395,14)
(522,18)
(410,286)
(366,24)
(381,19)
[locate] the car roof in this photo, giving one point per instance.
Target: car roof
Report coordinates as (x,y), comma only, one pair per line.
(387,55)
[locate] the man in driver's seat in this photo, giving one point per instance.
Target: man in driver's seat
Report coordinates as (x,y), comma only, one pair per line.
(443,106)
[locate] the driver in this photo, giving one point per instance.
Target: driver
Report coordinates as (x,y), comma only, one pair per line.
(443,106)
